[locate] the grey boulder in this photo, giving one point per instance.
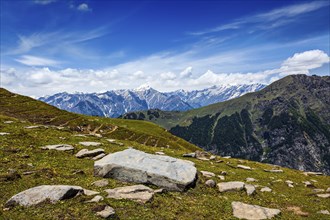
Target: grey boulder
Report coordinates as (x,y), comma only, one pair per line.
(136,166)
(38,194)
(255,212)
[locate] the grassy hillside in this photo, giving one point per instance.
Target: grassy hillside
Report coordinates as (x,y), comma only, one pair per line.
(287,123)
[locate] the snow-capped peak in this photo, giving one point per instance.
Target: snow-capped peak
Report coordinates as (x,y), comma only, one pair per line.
(143,87)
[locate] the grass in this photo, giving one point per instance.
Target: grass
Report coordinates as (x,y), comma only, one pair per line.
(53,167)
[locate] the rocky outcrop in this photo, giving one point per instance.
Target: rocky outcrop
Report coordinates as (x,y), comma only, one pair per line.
(38,194)
(136,166)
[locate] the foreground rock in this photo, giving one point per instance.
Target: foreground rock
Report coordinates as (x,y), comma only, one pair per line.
(246,211)
(89,153)
(136,166)
(38,194)
(230,186)
(59,147)
(138,193)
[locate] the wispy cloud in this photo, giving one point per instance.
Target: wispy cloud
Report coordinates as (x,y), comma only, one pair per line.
(274,18)
(83,7)
(36,61)
(44,2)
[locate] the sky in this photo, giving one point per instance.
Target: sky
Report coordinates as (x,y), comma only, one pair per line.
(51,46)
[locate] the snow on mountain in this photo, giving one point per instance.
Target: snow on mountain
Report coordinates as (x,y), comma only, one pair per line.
(117,102)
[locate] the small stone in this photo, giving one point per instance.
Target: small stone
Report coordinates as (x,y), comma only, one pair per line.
(313,173)
(28,172)
(288,182)
(265,189)
(308,184)
(111,140)
(249,179)
(59,147)
(230,186)
(244,167)
(79,135)
(325,195)
(324,212)
(98,157)
(227,157)
(88,192)
(159,153)
(89,143)
(297,211)
(314,181)
(221,177)
(290,185)
(274,171)
(8,122)
(224,173)
(80,172)
(139,193)
(107,212)
(212,157)
(253,212)
(318,190)
(101,183)
(3,133)
(97,198)
(160,191)
(33,126)
(328,189)
(207,174)
(210,183)
(89,153)
(250,189)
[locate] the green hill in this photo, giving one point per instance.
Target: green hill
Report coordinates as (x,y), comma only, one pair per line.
(24,165)
(287,123)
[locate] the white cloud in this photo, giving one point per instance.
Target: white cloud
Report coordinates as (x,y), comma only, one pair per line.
(272,19)
(36,61)
(44,81)
(44,2)
(83,7)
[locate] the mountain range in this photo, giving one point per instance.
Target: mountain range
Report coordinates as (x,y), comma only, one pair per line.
(117,102)
(287,123)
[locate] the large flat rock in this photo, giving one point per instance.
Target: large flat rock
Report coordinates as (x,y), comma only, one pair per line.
(138,193)
(254,212)
(136,166)
(38,194)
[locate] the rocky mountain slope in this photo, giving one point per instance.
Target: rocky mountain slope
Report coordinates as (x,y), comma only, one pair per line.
(117,102)
(287,123)
(53,156)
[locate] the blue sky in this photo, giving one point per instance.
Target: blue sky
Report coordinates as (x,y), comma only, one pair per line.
(49,46)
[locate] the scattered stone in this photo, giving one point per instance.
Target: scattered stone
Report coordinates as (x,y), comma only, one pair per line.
(308,184)
(159,153)
(111,140)
(139,193)
(100,156)
(219,161)
(59,147)
(160,191)
(265,189)
(314,181)
(203,158)
(223,173)
(252,212)
(89,143)
(39,194)
(227,157)
(89,153)
(313,173)
(80,172)
(136,166)
(210,183)
(33,126)
(250,189)
(318,190)
(250,179)
(328,189)
(3,133)
(79,135)
(88,192)
(324,212)
(274,171)
(244,167)
(8,122)
(121,144)
(325,195)
(212,157)
(288,182)
(28,173)
(207,174)
(97,135)
(107,212)
(297,211)
(97,198)
(221,177)
(101,183)
(230,186)
(202,155)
